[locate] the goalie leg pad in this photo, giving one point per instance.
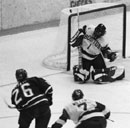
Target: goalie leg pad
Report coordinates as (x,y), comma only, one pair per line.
(80,75)
(119,73)
(108,75)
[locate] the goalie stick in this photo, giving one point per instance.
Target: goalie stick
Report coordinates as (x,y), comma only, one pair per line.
(76,35)
(82,73)
(79,47)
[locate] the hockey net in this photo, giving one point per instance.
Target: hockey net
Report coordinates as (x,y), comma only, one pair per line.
(112,15)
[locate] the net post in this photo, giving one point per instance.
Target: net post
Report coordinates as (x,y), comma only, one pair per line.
(124,31)
(69,47)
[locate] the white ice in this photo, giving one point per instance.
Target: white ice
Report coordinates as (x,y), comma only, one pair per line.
(27,50)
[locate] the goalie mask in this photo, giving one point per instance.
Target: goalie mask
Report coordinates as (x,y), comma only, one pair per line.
(21,75)
(77,94)
(99,31)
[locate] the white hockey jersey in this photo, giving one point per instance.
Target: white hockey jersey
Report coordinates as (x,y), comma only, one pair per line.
(77,108)
(80,110)
(91,47)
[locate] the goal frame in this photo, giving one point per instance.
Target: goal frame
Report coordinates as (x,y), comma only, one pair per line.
(91,11)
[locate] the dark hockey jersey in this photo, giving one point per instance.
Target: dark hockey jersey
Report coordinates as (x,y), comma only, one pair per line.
(31,92)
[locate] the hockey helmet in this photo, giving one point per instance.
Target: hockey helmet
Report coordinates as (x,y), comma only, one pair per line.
(21,75)
(77,94)
(99,31)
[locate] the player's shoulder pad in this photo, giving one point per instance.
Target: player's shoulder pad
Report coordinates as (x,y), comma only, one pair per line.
(32,78)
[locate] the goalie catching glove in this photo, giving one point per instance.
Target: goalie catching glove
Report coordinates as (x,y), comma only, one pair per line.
(108,53)
(112,56)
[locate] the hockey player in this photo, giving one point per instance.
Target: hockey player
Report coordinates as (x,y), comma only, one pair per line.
(32,98)
(83,112)
(94,48)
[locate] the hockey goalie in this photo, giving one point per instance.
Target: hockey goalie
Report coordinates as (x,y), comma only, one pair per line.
(93,49)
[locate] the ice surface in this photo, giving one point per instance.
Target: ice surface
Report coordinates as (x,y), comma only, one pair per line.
(27,50)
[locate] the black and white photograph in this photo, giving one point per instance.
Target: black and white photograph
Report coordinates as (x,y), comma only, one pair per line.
(64,63)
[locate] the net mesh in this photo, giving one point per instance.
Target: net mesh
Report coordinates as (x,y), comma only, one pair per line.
(111,18)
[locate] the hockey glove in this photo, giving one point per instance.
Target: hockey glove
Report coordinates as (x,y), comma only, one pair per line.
(107,115)
(108,53)
(83,30)
(112,56)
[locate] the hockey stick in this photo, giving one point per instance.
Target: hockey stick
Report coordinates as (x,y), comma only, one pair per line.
(79,47)
(111,120)
(73,38)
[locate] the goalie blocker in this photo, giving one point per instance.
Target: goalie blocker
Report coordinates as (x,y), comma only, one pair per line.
(99,76)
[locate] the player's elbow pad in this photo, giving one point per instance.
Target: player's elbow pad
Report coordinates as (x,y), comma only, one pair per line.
(50,101)
(106,112)
(78,41)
